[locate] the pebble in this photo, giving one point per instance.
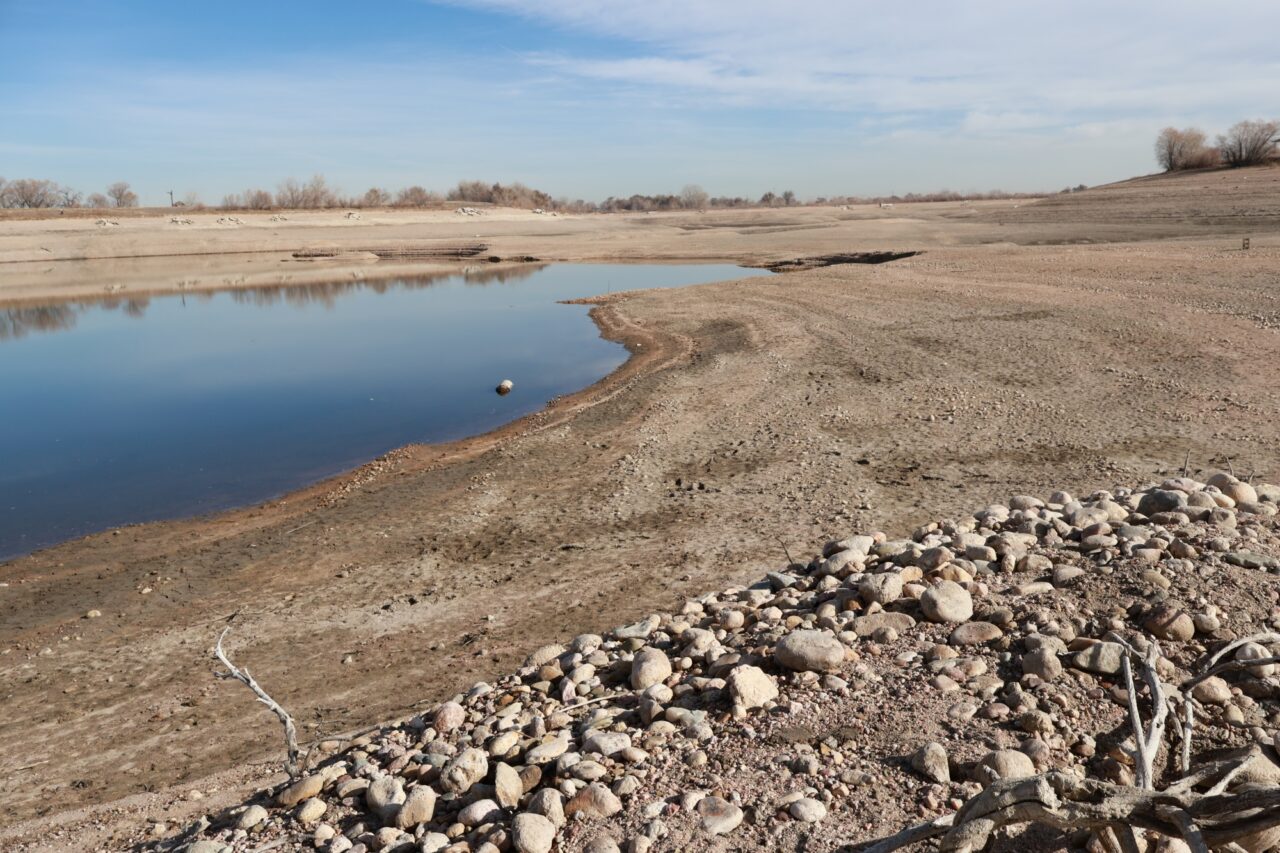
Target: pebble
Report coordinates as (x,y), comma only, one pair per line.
(810,651)
(752,687)
(419,807)
(947,601)
(649,667)
(304,789)
(311,810)
(532,833)
(974,634)
(464,770)
(1212,691)
(251,817)
(719,816)
(807,810)
(931,762)
(595,800)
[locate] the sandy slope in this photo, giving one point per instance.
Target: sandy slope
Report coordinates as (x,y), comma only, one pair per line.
(759,415)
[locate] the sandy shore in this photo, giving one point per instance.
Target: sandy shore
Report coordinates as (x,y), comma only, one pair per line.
(757,416)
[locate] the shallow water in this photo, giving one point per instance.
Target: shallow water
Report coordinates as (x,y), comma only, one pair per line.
(120,411)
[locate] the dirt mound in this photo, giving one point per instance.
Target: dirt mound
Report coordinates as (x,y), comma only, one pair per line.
(836,701)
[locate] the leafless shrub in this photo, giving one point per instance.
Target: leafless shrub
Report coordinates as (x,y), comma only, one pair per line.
(314,194)
(375,197)
(29,193)
(513,195)
(416,196)
(98,201)
(1250,143)
(121,195)
(1184,149)
(257,200)
(694,197)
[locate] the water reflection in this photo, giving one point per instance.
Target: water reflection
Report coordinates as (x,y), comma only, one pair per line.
(20,322)
(193,402)
(61,317)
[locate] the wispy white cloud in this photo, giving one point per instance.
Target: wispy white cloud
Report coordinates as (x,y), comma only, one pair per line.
(1064,62)
(822,96)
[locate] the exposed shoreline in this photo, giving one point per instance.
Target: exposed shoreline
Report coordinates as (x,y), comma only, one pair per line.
(775,410)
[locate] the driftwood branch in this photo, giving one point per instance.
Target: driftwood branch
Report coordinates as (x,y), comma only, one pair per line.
(292,764)
(1214,819)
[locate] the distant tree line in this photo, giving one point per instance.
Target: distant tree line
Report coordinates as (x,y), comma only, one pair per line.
(34,193)
(317,194)
(1247,143)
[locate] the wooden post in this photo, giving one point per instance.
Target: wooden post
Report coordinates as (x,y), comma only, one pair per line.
(1245,245)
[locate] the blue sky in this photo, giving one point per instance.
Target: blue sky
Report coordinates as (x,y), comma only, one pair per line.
(589,98)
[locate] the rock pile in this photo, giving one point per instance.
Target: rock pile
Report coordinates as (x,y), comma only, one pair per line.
(884,681)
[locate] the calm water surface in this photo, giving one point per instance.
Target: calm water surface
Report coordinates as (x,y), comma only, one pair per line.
(120,411)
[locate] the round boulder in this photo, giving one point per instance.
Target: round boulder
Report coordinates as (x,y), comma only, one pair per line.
(947,601)
(810,651)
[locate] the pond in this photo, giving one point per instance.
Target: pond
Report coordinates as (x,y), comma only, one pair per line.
(126,410)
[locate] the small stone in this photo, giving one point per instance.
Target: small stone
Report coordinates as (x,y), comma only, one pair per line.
(549,803)
(1042,663)
(931,762)
(649,667)
(1170,623)
(433,842)
(810,651)
(1212,691)
(601,844)
(1255,651)
(304,789)
(947,601)
(719,816)
(418,807)
(606,743)
(507,785)
(881,588)
(974,634)
(1101,658)
(595,800)
(464,770)
(311,810)
(532,833)
(479,812)
(251,817)
(807,810)
(384,796)
(751,687)
(1004,764)
(1161,500)
(449,716)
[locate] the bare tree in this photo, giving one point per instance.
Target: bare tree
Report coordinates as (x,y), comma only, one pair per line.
(694,197)
(315,193)
(788,198)
(1250,143)
(1183,149)
(289,194)
(416,196)
(257,200)
(98,200)
(376,197)
(30,193)
(121,195)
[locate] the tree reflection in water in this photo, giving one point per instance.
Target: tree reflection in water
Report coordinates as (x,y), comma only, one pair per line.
(60,317)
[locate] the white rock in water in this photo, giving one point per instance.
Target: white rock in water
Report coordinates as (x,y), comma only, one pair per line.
(504,387)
